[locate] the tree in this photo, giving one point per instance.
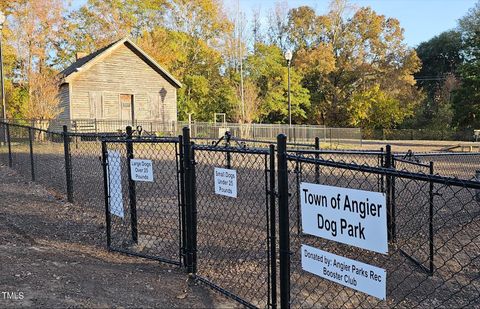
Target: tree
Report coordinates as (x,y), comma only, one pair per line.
(466,100)
(277,33)
(377,109)
(33,30)
(267,68)
(469,26)
(44,100)
(441,57)
(303,27)
(191,47)
(354,50)
(100,22)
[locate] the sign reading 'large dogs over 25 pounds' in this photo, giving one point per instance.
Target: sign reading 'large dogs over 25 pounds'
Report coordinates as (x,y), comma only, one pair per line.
(142,170)
(349,216)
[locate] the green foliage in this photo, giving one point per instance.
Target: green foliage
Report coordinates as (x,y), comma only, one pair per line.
(466,100)
(377,109)
(469,27)
(16,100)
(267,68)
(450,76)
(365,51)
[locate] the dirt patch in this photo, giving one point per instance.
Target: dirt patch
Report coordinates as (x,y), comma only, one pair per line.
(53,254)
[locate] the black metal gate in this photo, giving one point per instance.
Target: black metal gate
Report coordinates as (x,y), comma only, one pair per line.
(235,235)
(144,217)
(413,226)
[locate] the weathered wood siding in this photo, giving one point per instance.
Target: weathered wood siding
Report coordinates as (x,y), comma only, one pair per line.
(96,91)
(64,105)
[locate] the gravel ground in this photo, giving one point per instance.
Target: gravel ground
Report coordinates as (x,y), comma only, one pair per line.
(54,255)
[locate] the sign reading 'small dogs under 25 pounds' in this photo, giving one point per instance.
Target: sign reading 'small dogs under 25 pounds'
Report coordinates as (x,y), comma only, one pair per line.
(353,217)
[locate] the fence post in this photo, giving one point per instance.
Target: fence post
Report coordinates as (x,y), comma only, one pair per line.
(388,185)
(183,247)
(32,162)
(477,191)
(9,143)
(317,156)
(190,203)
(273,222)
(430,220)
(132,194)
(381,159)
(106,191)
(193,193)
(228,136)
(68,164)
(393,202)
(283,221)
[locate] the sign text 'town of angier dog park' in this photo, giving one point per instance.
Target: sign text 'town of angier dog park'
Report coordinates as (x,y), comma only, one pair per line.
(353,217)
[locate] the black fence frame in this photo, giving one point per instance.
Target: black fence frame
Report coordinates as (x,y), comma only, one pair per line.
(129,143)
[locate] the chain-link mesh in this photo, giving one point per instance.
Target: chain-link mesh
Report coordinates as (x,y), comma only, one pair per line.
(233,243)
(412,225)
(87,170)
(20,147)
(364,157)
(49,160)
(462,165)
(454,281)
(153,230)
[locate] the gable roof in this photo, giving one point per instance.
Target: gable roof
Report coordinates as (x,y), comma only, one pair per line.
(88,61)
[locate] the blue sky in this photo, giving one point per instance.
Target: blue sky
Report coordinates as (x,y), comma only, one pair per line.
(421,19)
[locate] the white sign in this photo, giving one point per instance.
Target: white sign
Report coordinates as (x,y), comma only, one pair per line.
(115,183)
(225,182)
(352,217)
(350,273)
(142,170)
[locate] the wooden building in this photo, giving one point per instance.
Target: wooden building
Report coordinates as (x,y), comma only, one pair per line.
(119,82)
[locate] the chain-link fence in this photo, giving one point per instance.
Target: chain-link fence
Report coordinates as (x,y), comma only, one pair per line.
(86,168)
(433,226)
(245,243)
(418,134)
(462,165)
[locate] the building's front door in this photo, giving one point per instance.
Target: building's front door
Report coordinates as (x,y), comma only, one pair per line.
(126,105)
